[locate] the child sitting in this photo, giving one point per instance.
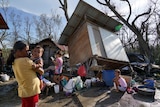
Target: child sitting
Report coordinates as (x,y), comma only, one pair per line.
(119,81)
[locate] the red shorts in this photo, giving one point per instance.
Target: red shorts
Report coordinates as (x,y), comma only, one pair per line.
(30,101)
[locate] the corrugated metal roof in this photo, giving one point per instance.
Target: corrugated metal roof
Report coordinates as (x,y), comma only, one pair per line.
(3,24)
(83,11)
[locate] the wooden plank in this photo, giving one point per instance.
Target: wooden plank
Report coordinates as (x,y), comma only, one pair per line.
(79,46)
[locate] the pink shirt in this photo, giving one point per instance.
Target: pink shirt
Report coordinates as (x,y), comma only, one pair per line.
(58,68)
(122,82)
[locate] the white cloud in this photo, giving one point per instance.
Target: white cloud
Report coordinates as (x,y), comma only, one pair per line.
(36,6)
(137,6)
(45,6)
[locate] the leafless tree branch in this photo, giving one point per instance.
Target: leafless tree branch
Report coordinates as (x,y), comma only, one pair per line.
(64,8)
(140,15)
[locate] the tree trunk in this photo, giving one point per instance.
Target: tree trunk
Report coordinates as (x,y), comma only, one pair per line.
(143,45)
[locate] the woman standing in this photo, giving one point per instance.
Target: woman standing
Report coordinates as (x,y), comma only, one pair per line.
(28,82)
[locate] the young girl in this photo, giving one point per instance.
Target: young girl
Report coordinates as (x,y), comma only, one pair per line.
(119,81)
(28,82)
(58,62)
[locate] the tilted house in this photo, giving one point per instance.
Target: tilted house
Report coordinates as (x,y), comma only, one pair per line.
(91,36)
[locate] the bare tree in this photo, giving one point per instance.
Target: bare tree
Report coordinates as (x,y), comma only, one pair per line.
(139,31)
(16,27)
(27,29)
(3,33)
(64,7)
(156,20)
(128,41)
(48,27)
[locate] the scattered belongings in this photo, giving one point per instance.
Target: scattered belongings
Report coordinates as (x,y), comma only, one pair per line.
(141,65)
(146,91)
(73,84)
(48,84)
(157,84)
(148,88)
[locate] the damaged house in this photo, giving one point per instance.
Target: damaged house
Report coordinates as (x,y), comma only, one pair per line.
(91,38)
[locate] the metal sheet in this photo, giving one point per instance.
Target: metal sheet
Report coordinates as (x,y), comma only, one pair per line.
(82,12)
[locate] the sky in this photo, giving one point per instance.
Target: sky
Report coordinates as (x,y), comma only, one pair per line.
(39,7)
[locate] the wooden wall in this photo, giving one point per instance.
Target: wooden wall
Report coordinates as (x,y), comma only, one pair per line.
(79,46)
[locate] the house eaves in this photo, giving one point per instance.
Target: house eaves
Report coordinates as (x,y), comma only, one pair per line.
(82,12)
(3,24)
(61,47)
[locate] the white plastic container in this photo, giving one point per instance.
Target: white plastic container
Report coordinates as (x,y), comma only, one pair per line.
(87,83)
(56,88)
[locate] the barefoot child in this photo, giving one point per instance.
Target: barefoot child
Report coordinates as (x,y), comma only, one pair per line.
(119,81)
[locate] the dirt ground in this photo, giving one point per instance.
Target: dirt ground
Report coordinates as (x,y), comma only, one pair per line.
(91,97)
(9,98)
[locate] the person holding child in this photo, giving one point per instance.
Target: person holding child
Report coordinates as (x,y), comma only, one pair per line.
(119,82)
(25,74)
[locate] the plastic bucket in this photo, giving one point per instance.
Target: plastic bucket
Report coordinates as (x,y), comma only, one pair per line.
(88,83)
(56,88)
(149,83)
(107,76)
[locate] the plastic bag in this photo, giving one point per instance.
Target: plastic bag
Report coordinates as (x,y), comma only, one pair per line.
(82,71)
